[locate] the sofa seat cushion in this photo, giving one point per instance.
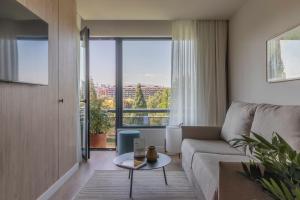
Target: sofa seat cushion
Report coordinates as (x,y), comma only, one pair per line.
(238,121)
(190,146)
(205,168)
(285,120)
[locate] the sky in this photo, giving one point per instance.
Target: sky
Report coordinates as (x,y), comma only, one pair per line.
(290,54)
(33,61)
(144,61)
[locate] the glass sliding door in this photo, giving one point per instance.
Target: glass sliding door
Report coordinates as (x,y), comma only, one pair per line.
(84,92)
(130,82)
(102,93)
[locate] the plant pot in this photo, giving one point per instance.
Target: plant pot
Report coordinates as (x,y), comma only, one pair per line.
(98,141)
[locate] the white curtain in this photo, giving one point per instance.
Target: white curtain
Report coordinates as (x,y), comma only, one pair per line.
(198,72)
(8,51)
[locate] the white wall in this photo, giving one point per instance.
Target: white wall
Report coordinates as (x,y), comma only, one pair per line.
(129,28)
(250,28)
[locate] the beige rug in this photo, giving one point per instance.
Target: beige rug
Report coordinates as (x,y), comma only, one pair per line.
(114,185)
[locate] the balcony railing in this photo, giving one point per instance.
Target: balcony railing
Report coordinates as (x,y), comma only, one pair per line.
(142,117)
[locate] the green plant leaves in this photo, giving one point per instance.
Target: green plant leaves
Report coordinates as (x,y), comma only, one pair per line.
(281,177)
(99,120)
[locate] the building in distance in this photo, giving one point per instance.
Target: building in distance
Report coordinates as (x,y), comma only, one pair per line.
(128,90)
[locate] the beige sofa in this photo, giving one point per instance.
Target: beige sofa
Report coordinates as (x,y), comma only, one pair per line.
(211,164)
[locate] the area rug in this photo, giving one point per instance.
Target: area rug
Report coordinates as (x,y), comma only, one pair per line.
(114,185)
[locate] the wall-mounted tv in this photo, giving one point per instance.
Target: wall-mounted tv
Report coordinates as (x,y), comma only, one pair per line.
(23,45)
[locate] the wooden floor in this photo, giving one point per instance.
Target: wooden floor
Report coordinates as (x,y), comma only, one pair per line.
(100,160)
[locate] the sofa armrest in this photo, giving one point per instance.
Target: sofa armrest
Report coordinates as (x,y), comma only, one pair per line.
(232,184)
(201,132)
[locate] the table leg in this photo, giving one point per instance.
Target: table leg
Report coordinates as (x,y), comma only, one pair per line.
(165,175)
(131,180)
(129,173)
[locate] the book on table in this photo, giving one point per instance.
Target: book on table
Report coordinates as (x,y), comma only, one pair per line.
(139,147)
(133,163)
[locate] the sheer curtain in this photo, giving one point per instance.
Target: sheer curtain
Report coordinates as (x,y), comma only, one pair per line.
(8,51)
(198,72)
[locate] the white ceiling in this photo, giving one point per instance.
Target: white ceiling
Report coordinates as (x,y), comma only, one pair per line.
(157,9)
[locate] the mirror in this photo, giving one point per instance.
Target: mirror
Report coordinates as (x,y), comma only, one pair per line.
(23,45)
(283,56)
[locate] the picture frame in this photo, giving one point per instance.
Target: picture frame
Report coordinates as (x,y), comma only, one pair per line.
(283,56)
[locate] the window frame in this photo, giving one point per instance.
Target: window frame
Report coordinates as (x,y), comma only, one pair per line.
(119,76)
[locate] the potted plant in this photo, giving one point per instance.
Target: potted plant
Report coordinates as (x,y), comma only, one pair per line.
(99,124)
(276,168)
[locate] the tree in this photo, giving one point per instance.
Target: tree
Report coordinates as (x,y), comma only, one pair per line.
(164,99)
(128,103)
(160,99)
(108,103)
(93,93)
(139,100)
(99,119)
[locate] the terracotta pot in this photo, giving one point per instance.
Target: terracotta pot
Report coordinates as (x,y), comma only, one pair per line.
(98,141)
(152,154)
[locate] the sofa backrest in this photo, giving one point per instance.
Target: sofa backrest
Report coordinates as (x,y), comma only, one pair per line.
(285,120)
(238,121)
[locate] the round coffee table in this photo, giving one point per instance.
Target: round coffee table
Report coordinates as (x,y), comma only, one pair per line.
(162,161)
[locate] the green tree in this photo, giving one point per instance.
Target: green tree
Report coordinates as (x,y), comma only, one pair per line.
(139,100)
(128,103)
(99,119)
(164,99)
(93,93)
(160,99)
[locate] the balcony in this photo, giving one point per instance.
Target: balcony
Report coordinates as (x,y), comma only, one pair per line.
(132,118)
(147,118)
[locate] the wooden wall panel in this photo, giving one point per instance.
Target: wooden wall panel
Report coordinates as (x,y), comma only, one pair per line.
(29,123)
(67,84)
(31,146)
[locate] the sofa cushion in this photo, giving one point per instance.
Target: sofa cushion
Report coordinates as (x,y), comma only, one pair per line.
(205,168)
(238,121)
(191,146)
(285,120)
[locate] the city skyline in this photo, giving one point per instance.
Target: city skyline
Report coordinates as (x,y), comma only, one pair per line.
(134,84)
(129,91)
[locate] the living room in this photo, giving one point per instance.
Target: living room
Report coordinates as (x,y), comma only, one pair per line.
(161,99)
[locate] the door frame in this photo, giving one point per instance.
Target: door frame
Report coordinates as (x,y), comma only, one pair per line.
(86,31)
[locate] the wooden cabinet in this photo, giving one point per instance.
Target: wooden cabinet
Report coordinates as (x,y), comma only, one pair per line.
(67,85)
(37,133)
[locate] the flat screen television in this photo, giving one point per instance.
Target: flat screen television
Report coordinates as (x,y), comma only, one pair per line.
(23,45)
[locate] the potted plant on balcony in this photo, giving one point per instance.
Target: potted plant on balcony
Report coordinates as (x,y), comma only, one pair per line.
(99,124)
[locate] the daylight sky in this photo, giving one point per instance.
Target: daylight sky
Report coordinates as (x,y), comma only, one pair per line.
(290,54)
(146,62)
(33,61)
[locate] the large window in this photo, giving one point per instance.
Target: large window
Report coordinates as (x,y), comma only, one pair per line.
(132,79)
(146,82)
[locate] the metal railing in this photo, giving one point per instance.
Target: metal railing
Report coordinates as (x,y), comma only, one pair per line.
(142,117)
